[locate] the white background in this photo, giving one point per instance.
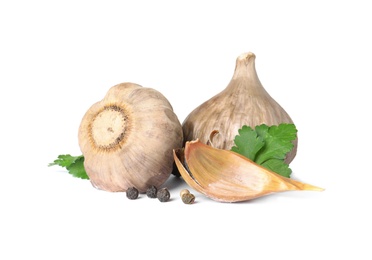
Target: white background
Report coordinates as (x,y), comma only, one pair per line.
(57,59)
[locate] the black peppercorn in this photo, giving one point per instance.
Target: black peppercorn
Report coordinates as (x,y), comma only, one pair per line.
(151,191)
(132,193)
(163,195)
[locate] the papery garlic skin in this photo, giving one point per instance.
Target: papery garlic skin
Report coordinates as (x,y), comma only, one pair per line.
(226,176)
(243,102)
(127,139)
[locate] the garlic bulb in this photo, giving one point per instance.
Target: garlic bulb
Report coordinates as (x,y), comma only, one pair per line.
(243,102)
(226,176)
(127,139)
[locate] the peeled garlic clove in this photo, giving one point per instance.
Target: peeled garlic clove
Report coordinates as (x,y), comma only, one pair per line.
(243,102)
(226,176)
(127,139)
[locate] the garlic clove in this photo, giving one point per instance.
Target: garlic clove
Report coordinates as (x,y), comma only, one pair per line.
(243,102)
(127,139)
(226,176)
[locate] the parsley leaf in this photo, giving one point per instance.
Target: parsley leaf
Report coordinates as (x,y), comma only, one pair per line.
(248,142)
(278,141)
(278,166)
(267,146)
(74,165)
(64,160)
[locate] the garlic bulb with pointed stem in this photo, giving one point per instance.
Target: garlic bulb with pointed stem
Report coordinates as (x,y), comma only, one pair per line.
(243,102)
(127,139)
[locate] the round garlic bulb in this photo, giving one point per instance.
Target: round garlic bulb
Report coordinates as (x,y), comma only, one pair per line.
(243,102)
(127,139)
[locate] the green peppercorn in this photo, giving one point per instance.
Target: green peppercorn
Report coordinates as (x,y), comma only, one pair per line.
(163,195)
(151,192)
(132,193)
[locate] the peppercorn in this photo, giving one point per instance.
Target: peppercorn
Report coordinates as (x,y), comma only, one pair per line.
(132,193)
(151,192)
(163,195)
(187,197)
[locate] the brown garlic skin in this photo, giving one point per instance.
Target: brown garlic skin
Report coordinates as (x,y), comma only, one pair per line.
(243,102)
(127,139)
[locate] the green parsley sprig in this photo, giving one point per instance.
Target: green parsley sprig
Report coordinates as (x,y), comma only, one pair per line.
(73,164)
(267,145)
